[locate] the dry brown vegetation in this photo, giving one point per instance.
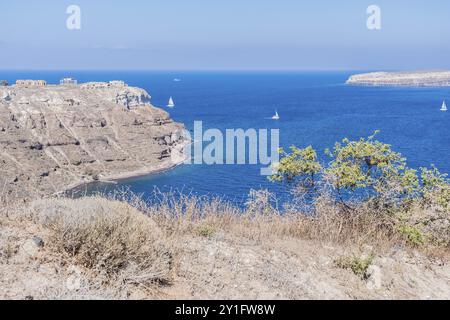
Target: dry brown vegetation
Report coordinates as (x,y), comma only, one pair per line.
(111,238)
(119,247)
(260,222)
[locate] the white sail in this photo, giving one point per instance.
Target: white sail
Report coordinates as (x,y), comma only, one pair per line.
(444,107)
(276,116)
(171,104)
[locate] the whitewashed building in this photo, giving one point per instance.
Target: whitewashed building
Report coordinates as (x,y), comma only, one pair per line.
(117,83)
(31,83)
(68,81)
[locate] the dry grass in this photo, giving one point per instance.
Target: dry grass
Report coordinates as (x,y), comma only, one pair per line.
(123,244)
(111,238)
(260,221)
(111,233)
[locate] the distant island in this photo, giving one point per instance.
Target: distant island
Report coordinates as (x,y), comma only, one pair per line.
(410,79)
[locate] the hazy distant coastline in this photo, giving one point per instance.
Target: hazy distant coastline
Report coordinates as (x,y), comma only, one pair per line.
(409,79)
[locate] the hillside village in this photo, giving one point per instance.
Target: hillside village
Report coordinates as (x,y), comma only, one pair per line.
(68,81)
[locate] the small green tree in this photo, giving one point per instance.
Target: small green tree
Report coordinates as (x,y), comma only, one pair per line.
(364,169)
(300,166)
(368,174)
(435,188)
(368,167)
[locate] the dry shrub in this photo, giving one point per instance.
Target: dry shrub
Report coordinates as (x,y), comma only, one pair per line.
(332,223)
(109,237)
(260,221)
(123,237)
(427,225)
(179,213)
(359,265)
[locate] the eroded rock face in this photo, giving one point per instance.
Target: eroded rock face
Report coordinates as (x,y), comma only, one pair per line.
(54,137)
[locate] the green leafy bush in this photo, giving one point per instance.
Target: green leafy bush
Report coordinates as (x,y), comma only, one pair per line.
(413,234)
(299,165)
(436,188)
(358,265)
(368,174)
(206,231)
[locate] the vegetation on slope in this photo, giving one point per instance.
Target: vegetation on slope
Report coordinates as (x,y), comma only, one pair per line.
(353,213)
(367,175)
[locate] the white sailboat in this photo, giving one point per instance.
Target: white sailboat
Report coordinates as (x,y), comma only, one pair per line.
(276,116)
(170,104)
(444,106)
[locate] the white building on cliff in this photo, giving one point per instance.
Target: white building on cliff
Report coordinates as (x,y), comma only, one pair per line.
(31,83)
(68,81)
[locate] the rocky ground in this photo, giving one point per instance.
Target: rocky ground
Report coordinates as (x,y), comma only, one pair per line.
(221,268)
(199,262)
(56,137)
(416,79)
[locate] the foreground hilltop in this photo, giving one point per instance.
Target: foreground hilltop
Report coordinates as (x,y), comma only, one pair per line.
(416,79)
(98,248)
(56,137)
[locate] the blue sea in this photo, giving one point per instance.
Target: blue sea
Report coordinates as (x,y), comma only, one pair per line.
(316,108)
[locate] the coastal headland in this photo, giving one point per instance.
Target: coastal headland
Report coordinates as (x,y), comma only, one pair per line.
(56,137)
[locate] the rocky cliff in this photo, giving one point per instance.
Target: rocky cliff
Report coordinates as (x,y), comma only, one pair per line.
(55,137)
(414,79)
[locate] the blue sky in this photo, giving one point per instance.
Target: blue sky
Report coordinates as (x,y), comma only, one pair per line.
(225,34)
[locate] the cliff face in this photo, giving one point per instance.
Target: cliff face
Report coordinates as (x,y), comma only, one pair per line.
(417,79)
(55,137)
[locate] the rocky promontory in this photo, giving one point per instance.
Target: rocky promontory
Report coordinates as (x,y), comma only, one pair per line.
(56,137)
(412,79)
